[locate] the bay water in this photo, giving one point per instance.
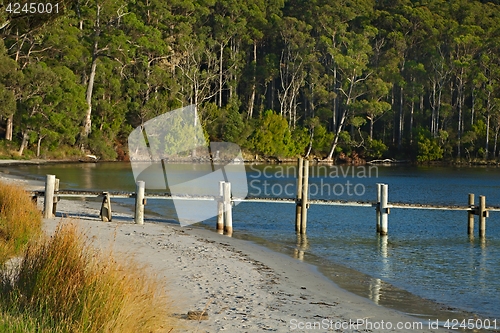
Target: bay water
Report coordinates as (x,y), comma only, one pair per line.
(427,253)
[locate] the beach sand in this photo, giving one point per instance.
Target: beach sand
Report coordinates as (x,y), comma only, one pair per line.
(242,286)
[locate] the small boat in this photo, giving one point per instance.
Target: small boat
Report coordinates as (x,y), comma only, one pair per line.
(89,159)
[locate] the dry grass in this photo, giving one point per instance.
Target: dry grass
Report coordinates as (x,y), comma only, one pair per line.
(20,220)
(66,284)
(63,284)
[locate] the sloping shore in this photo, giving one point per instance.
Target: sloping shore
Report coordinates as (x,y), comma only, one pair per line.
(243,287)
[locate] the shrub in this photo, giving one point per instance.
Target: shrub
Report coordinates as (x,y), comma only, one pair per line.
(101,146)
(375,148)
(428,148)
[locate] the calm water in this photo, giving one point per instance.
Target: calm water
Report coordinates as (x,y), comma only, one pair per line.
(427,253)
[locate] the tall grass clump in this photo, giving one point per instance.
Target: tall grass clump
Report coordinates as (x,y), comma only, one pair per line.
(20,220)
(64,283)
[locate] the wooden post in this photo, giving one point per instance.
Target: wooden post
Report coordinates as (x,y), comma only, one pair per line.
(220,209)
(56,198)
(377,209)
(470,215)
(228,210)
(139,202)
(298,203)
(384,210)
(106,208)
(305,193)
(483,214)
(48,203)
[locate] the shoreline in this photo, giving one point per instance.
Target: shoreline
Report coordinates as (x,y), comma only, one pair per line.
(272,160)
(244,286)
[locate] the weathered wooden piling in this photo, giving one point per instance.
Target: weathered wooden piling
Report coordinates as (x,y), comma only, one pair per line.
(220,209)
(298,200)
(139,202)
(384,209)
(305,195)
(105,213)
(377,208)
(470,215)
(48,203)
(228,210)
(483,214)
(56,198)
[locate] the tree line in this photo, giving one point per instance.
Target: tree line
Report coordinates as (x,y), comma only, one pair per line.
(404,79)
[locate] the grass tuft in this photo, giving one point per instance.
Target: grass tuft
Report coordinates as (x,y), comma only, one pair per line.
(20,221)
(65,284)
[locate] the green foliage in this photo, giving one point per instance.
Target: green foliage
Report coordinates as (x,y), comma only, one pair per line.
(272,137)
(232,124)
(383,68)
(101,146)
(428,147)
(322,139)
(375,148)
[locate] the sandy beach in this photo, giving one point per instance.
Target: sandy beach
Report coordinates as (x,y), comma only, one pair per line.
(243,287)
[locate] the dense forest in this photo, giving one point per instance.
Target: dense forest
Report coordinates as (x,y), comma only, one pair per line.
(405,79)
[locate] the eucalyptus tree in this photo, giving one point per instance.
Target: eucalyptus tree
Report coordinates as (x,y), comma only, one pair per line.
(262,17)
(101,26)
(49,107)
(10,89)
(228,21)
(148,75)
(465,46)
(352,64)
(295,54)
(332,24)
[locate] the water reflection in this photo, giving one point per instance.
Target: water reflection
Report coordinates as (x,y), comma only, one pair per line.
(375,284)
(301,248)
(383,242)
(375,290)
(87,176)
(483,269)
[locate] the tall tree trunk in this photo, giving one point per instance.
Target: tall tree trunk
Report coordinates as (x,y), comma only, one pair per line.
(87,123)
(433,103)
(24,143)
(401,118)
(371,127)
(251,102)
(459,129)
(335,101)
(393,117)
(40,138)
(497,129)
(309,147)
(221,55)
(438,112)
(336,139)
(273,91)
(473,104)
(9,128)
(487,136)
(349,99)
(412,109)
